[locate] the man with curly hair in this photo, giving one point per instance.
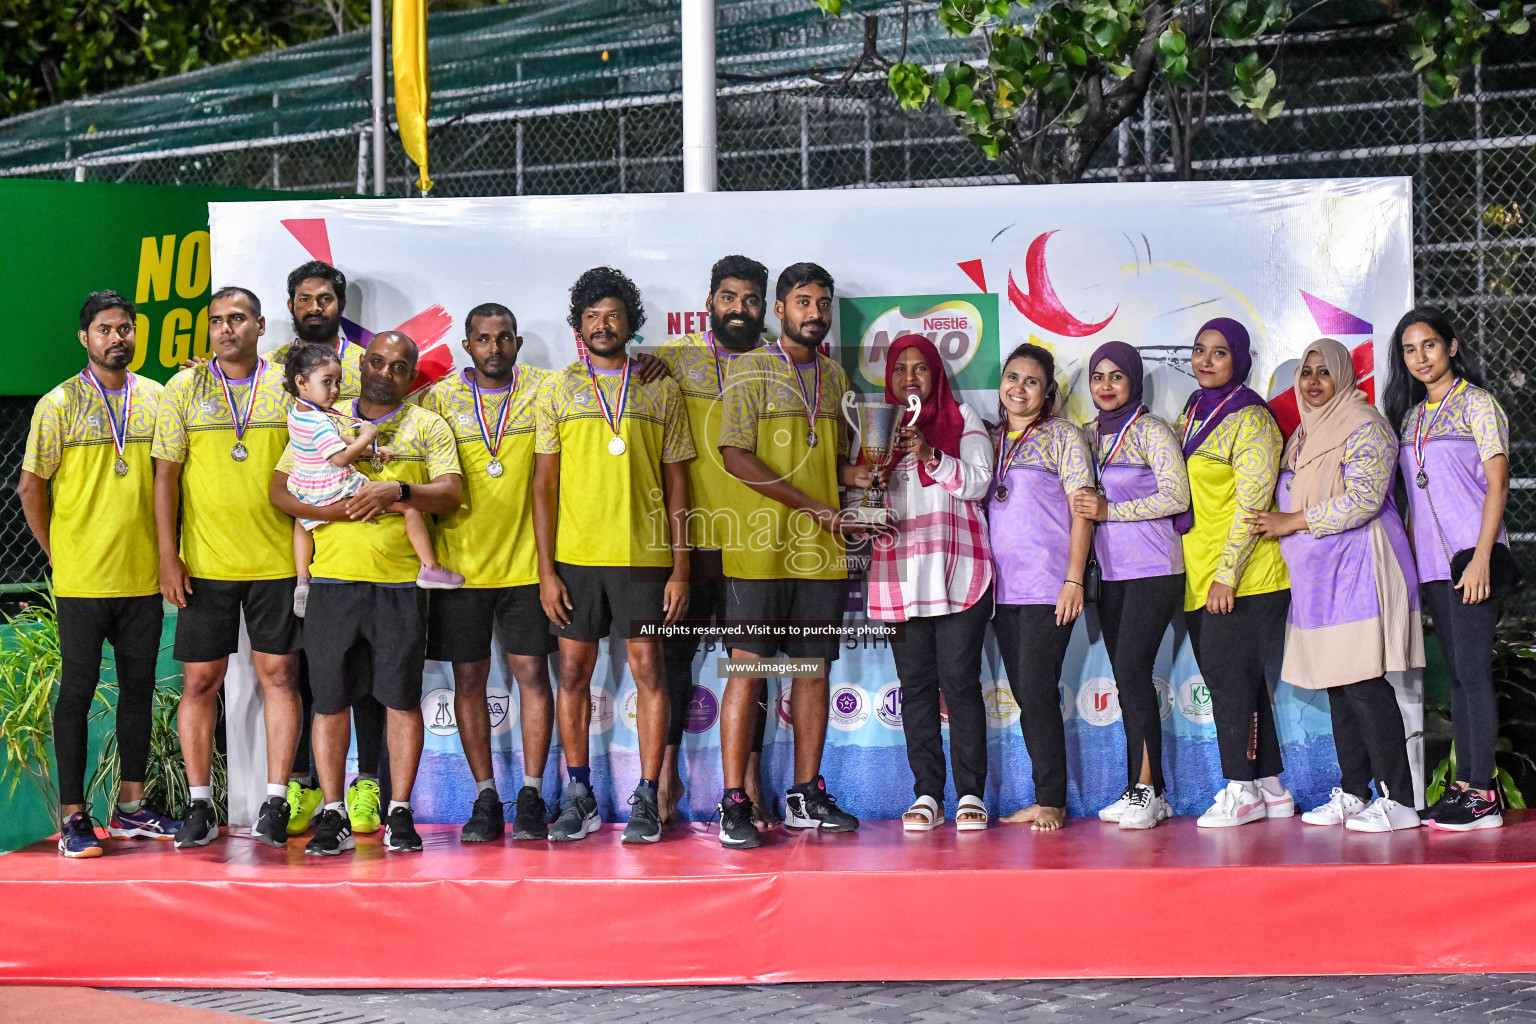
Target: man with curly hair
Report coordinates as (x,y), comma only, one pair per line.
(610,506)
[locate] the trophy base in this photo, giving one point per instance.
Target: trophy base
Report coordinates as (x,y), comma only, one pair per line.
(873,515)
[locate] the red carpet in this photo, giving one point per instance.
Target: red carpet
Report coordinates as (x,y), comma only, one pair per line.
(1275,897)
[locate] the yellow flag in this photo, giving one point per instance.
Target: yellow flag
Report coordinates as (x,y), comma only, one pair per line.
(413,96)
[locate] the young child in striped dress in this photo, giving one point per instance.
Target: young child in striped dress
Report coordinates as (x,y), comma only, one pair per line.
(323,471)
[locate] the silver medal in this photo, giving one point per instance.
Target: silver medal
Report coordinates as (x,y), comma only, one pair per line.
(616,445)
(811,440)
(1001,494)
(120,467)
(1422,480)
(493,468)
(239,452)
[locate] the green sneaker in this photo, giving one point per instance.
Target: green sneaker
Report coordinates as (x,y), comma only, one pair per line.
(363,805)
(303,807)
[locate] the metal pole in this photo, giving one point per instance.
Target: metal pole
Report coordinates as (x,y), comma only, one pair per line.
(700,163)
(376,30)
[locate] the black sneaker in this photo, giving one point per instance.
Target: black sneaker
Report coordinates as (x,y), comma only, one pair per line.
(736,828)
(487,821)
(644,817)
(400,833)
(1470,813)
(532,818)
(1448,799)
(811,806)
(332,836)
(199,826)
(272,822)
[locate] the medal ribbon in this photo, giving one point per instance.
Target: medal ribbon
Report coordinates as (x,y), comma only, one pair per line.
(1114,449)
(483,421)
(1006,454)
(241,421)
(119,431)
(612,415)
(1190,424)
(1426,424)
(813,400)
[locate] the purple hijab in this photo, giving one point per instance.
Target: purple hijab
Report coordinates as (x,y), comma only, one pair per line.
(1128,361)
(1202,405)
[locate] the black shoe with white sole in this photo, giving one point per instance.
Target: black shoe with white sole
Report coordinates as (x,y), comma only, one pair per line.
(487,821)
(199,827)
(400,835)
(811,806)
(531,821)
(272,822)
(332,836)
(644,817)
(737,830)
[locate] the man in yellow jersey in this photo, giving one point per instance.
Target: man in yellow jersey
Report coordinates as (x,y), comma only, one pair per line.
(90,442)
(317,296)
(700,363)
(490,409)
(782,435)
(609,457)
(220,429)
(363,592)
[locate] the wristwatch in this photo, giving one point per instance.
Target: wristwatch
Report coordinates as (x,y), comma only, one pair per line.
(405,491)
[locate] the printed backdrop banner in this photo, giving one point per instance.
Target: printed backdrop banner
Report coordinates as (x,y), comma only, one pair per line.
(978,270)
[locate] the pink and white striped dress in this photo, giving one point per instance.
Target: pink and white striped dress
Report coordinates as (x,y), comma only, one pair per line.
(313,436)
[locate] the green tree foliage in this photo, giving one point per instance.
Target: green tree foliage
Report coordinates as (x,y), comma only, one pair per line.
(55,50)
(1054,78)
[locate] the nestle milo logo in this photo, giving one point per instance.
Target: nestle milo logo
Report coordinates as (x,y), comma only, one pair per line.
(962,327)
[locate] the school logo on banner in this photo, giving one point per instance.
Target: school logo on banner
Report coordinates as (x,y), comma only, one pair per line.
(850,707)
(1098,702)
(1195,700)
(888,707)
(629,709)
(437,712)
(786,716)
(502,709)
(1164,697)
(1002,709)
(962,327)
(703,710)
(603,711)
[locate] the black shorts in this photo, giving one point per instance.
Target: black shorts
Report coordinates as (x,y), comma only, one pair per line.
(386,625)
(605,598)
(208,628)
(460,622)
(808,602)
(130,624)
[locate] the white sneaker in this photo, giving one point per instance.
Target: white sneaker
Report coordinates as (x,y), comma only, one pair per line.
(1145,809)
(1341,806)
(1277,805)
(1383,815)
(1114,811)
(1235,805)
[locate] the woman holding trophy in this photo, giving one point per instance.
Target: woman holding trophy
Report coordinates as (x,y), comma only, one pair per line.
(1039,551)
(932,570)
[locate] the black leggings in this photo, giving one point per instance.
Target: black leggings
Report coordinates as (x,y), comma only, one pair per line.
(1368,735)
(1466,636)
(1134,615)
(1033,648)
(132,626)
(941,654)
(1231,650)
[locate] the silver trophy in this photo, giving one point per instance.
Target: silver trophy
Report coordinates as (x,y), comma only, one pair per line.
(874,432)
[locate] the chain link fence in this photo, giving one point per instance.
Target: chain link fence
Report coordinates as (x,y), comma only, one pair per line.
(1352,109)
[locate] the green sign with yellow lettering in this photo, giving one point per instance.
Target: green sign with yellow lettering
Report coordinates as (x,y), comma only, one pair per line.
(60,241)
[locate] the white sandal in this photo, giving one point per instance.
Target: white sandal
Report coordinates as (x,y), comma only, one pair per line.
(966,815)
(924,815)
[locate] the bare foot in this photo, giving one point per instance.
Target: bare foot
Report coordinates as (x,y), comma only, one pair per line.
(669,788)
(763,814)
(1042,819)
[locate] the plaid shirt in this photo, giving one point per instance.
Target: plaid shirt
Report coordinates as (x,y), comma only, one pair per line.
(939,561)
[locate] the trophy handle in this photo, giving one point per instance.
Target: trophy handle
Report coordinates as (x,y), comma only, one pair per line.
(915,406)
(849,401)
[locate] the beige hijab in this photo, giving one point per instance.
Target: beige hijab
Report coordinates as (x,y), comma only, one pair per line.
(1316,450)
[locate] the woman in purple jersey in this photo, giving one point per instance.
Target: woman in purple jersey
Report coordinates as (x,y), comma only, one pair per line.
(1039,550)
(1455,462)
(1354,611)
(1142,485)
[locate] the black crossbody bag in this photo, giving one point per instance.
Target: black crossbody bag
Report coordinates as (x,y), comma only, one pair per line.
(1504,576)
